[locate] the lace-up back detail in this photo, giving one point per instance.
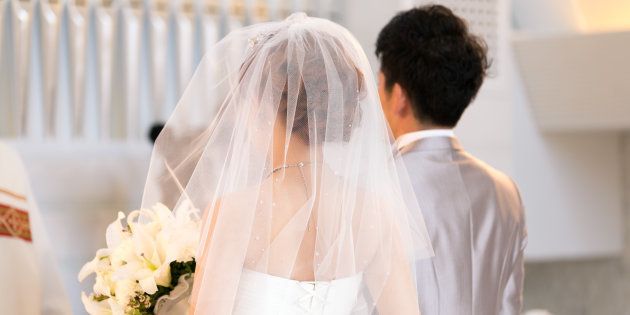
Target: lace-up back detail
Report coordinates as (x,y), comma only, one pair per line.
(264,294)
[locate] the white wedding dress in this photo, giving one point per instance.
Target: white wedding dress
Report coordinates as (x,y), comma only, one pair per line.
(264,294)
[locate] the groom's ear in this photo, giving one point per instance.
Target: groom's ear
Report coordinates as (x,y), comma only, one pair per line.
(401,104)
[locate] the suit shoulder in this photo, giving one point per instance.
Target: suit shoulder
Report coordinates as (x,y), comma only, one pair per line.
(502,185)
(490,173)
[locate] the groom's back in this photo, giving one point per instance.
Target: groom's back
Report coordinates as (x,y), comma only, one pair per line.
(475,220)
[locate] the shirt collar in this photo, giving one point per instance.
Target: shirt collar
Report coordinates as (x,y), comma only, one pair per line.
(412,137)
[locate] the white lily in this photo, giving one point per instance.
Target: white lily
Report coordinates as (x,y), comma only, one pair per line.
(115,232)
(149,249)
(137,258)
(100,261)
(104,285)
(94,307)
(125,291)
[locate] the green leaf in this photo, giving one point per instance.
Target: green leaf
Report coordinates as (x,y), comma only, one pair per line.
(178,269)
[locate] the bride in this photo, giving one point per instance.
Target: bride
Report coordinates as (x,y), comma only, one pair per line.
(306,210)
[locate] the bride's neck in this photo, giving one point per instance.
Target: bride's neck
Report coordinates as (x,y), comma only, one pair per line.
(295,153)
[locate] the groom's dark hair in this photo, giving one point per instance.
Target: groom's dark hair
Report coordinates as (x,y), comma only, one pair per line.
(430,53)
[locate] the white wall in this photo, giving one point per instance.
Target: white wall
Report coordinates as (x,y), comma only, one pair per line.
(365,19)
(585,286)
(572,183)
(572,187)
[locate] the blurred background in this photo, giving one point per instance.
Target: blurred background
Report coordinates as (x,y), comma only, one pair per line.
(81,83)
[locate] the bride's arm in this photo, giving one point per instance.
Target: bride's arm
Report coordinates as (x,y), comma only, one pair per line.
(397,294)
(201,259)
(221,258)
(400,294)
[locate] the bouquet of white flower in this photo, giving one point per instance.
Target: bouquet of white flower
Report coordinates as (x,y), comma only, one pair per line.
(143,261)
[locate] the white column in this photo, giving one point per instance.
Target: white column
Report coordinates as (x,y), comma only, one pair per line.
(205,30)
(69,69)
(39,79)
(172,70)
(151,68)
(272,7)
(13,49)
(123,104)
(98,45)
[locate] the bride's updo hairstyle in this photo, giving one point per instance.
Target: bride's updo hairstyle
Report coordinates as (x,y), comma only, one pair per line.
(315,83)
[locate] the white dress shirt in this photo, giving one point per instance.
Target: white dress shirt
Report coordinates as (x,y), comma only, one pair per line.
(411,137)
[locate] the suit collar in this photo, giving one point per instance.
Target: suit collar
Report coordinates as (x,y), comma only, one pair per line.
(432,144)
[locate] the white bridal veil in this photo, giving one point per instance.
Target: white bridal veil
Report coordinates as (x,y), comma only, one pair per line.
(281,143)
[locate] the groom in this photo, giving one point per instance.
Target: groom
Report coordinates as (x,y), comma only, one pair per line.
(431,70)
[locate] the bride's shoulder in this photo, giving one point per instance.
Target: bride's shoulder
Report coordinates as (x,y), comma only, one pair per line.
(230,207)
(242,198)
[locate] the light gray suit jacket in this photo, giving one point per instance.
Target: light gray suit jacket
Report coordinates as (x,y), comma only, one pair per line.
(475,219)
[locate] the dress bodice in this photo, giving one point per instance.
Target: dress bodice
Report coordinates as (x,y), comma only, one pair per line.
(264,294)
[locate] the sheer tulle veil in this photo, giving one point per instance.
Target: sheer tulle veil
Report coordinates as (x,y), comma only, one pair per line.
(280,142)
